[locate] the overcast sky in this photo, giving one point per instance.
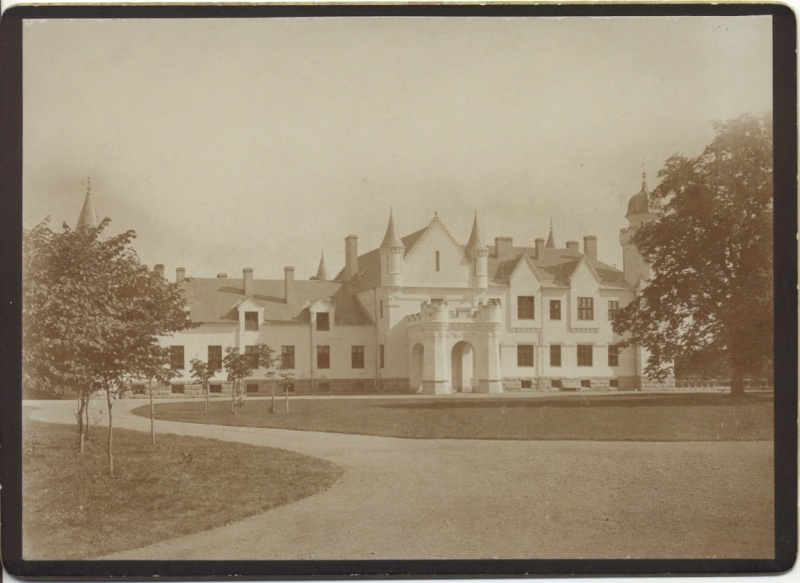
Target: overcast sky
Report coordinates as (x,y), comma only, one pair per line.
(234,143)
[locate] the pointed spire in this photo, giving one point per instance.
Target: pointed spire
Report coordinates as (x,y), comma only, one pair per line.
(391,240)
(88,218)
(475,241)
(644,181)
(551,243)
(322,273)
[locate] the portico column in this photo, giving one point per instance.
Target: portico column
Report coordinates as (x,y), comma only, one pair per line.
(491,380)
(436,369)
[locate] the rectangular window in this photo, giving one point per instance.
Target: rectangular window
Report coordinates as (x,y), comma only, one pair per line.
(215,357)
(585,308)
(613,308)
(613,355)
(584,355)
(252,355)
(357,356)
(177,389)
(176,357)
(525,355)
(525,309)
(323,356)
(555,355)
(251,320)
(437,261)
(252,387)
(323,322)
(215,388)
(380,356)
(287,357)
(555,309)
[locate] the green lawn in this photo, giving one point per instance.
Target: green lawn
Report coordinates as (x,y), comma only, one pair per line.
(624,417)
(73,510)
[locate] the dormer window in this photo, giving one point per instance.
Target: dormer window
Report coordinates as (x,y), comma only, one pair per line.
(323,322)
(251,321)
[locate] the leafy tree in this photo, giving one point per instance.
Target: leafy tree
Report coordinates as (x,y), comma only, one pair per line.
(238,366)
(711,251)
(203,372)
(92,313)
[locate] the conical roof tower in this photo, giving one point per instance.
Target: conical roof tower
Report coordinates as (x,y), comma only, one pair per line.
(551,243)
(88,218)
(391,240)
(322,272)
(475,242)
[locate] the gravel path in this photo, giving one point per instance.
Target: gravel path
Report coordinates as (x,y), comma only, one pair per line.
(472,499)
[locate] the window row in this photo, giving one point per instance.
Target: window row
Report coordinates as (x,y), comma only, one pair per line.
(178,362)
(585,355)
(526,308)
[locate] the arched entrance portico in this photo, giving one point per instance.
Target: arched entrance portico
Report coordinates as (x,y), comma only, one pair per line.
(416,366)
(463,367)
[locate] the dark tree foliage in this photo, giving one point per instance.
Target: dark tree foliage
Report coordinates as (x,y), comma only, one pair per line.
(92,313)
(711,253)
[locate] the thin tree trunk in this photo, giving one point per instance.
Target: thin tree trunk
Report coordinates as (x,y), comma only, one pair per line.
(205,385)
(233,399)
(287,396)
(110,434)
(272,403)
(152,417)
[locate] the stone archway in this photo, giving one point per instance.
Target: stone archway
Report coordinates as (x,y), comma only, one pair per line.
(416,366)
(463,367)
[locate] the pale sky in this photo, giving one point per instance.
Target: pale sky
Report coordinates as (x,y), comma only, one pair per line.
(261,142)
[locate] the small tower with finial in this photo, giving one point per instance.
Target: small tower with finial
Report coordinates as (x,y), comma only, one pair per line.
(322,272)
(87,218)
(392,252)
(634,267)
(551,243)
(478,254)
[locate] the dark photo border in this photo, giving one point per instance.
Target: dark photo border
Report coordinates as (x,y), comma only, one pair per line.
(785,297)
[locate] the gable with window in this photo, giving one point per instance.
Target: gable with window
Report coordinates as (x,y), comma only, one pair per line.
(525,308)
(585,308)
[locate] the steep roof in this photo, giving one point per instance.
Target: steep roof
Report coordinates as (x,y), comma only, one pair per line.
(475,242)
(391,240)
(215,300)
(322,272)
(87,218)
(640,202)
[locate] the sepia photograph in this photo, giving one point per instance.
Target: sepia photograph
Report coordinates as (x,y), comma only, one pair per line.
(378,286)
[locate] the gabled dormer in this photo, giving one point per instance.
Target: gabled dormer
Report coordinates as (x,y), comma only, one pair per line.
(584,284)
(251,315)
(321,314)
(525,289)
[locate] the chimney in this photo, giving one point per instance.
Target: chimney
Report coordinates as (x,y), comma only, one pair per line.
(180,274)
(504,247)
(159,269)
(288,281)
(350,256)
(247,277)
(222,276)
(590,246)
(539,247)
(573,246)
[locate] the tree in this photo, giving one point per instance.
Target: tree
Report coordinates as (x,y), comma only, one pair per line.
(156,370)
(92,313)
(203,372)
(286,378)
(266,360)
(711,252)
(238,366)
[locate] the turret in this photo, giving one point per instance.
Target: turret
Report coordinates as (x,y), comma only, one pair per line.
(392,253)
(322,272)
(551,243)
(478,254)
(88,218)
(639,213)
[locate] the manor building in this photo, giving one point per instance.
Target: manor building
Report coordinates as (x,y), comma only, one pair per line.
(427,313)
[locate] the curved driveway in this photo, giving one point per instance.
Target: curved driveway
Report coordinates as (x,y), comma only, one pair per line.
(471,499)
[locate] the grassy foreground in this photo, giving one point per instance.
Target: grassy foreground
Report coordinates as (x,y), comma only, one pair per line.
(73,510)
(624,417)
